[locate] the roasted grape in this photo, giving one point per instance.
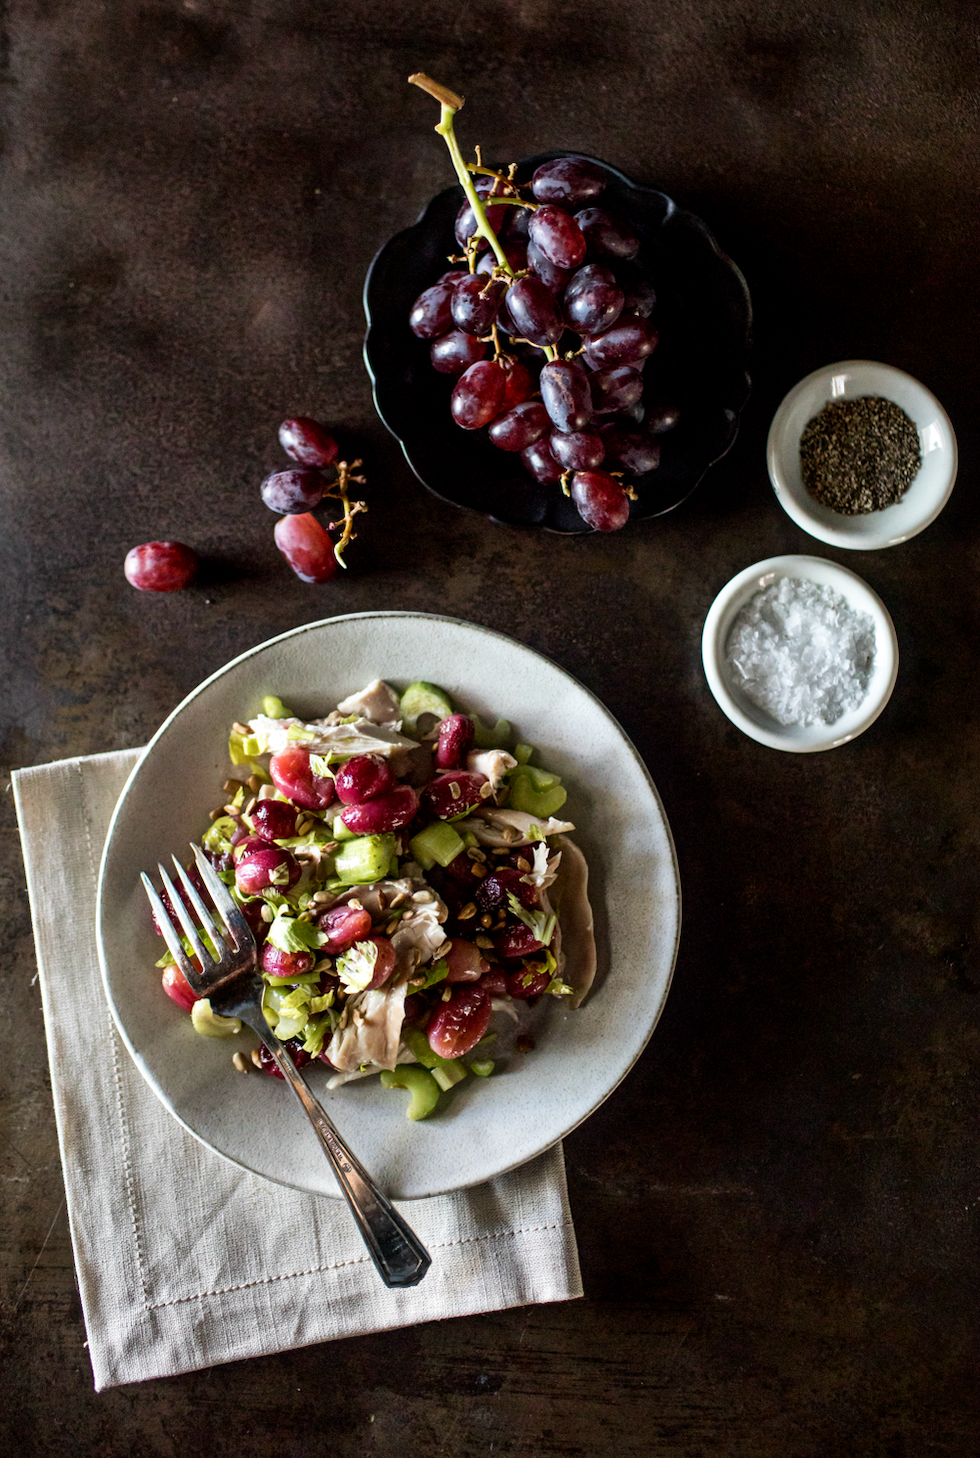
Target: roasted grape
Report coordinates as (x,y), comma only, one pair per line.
(383,813)
(273,818)
(294,776)
(454,793)
(343,926)
(455,741)
(363,778)
(460,1023)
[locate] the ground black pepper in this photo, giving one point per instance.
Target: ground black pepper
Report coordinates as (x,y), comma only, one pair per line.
(859,455)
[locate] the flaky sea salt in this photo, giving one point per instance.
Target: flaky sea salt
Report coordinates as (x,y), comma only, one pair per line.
(801,652)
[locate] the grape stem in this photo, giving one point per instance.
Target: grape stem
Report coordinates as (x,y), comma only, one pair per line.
(339,490)
(450,104)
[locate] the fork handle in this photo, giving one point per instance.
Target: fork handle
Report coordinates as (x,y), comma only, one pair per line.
(397,1252)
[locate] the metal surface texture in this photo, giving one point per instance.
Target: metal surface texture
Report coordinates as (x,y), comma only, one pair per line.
(777,1210)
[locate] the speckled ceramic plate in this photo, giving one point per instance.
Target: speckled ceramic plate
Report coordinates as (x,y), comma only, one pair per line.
(704,315)
(488,1126)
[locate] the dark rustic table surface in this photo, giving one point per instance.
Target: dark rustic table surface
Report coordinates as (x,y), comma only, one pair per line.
(777,1211)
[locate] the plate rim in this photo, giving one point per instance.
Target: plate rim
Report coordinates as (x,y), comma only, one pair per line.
(301,629)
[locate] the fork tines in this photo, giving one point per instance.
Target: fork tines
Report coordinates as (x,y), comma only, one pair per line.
(229,913)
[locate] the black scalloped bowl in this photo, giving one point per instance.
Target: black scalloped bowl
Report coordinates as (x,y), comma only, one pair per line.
(704,315)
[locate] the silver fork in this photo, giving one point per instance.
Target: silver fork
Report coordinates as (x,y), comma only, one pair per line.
(233,985)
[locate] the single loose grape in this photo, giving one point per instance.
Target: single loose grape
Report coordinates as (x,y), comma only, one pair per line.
(306,547)
(160,566)
(291,492)
(307,441)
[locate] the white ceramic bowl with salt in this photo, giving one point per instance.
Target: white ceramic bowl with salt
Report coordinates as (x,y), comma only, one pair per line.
(924,499)
(723,679)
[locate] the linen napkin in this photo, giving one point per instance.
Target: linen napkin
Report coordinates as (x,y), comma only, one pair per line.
(185,1260)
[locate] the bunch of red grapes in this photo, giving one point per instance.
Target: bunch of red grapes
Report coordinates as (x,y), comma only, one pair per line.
(571,403)
(303,540)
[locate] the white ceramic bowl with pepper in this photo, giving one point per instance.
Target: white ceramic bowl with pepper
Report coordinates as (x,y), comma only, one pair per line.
(932,478)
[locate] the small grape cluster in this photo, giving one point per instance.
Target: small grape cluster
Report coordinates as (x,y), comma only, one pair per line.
(304,542)
(549,345)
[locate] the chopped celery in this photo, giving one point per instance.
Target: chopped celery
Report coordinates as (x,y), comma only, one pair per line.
(447,1074)
(420,1084)
(523,752)
(539,779)
(524,797)
(217,837)
(365,859)
(438,842)
(482,1067)
(274,708)
(340,831)
(423,698)
(298,979)
(446,1071)
(490,736)
(242,748)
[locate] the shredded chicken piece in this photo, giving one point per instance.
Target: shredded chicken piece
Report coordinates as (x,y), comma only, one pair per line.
(577,965)
(370,1029)
(495,827)
(494,763)
(377,702)
(319,737)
